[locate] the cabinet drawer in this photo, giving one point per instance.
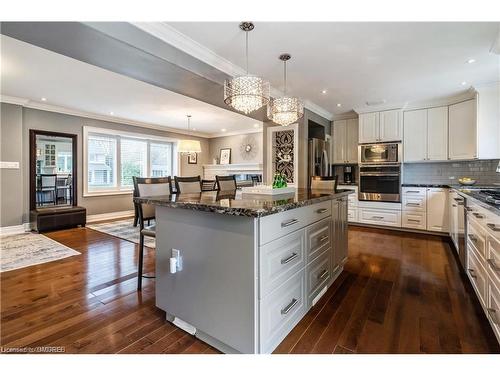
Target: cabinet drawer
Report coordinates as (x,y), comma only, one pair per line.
(493,260)
(280,259)
(281,310)
(414,191)
(318,237)
(477,237)
(352,214)
(493,309)
(379,217)
(414,203)
(318,273)
(477,276)
(280,224)
(415,220)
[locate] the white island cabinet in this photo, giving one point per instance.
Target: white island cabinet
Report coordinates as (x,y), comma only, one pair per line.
(251,268)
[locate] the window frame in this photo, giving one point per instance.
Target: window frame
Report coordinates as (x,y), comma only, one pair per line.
(118,135)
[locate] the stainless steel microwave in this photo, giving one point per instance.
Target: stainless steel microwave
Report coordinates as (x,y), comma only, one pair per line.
(380,153)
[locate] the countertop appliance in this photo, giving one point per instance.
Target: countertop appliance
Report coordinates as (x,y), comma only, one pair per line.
(380,182)
(380,153)
(318,158)
(348,175)
(458,219)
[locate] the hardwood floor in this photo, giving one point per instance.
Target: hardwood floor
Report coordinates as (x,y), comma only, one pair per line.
(399,293)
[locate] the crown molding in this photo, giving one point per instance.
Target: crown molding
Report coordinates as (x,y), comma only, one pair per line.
(238,132)
(175,38)
(470,93)
(27,103)
(345,116)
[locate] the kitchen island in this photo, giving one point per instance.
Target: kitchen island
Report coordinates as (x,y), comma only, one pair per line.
(246,268)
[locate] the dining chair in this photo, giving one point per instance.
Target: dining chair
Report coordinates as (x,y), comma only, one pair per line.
(63,188)
(226,183)
(187,185)
(208,185)
(48,185)
(148,187)
(324,183)
(255,179)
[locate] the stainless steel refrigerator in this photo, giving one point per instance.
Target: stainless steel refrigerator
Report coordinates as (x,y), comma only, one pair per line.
(318,158)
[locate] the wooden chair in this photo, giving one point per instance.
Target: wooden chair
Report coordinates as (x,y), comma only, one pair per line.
(226,183)
(148,187)
(187,185)
(324,183)
(208,185)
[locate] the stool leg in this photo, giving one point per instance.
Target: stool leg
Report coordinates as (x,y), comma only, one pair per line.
(141,258)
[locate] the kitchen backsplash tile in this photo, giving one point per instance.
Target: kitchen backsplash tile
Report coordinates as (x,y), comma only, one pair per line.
(484,171)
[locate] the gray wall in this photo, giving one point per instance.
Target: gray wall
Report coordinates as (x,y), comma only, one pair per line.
(234,142)
(16,123)
(11,180)
(449,172)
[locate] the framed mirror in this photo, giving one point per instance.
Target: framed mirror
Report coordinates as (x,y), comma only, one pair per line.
(53,169)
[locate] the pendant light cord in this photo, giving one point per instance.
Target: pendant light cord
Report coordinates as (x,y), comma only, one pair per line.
(284,76)
(246,49)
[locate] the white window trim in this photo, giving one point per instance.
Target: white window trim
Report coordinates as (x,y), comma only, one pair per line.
(130,135)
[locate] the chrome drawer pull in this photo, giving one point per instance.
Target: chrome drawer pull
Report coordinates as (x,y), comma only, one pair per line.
(458,199)
(413,191)
(321,210)
(290,306)
(493,227)
(473,238)
(493,265)
(289,259)
(289,222)
(322,274)
(479,216)
(472,273)
(413,204)
(324,238)
(377,217)
(493,315)
(414,220)
(468,209)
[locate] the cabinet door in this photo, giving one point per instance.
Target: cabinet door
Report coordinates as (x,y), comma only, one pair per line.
(390,126)
(369,127)
(339,141)
(334,262)
(343,213)
(415,135)
(437,133)
(437,210)
(462,130)
(352,141)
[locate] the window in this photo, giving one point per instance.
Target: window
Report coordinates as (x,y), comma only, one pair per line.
(114,158)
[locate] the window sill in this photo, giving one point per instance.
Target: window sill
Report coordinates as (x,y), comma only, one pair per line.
(106,193)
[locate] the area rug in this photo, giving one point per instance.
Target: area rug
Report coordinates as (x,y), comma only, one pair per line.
(123,229)
(29,249)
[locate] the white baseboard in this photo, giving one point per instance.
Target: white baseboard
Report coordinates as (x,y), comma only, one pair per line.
(109,216)
(15,229)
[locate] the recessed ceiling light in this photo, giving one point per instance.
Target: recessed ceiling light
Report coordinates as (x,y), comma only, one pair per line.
(112,113)
(223,130)
(339,104)
(464,83)
(44,99)
(470,61)
(256,125)
(324,91)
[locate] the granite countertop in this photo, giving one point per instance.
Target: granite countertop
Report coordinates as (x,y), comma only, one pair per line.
(348,183)
(426,185)
(235,203)
(473,193)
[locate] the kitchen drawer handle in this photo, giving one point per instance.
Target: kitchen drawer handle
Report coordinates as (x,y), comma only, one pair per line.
(458,199)
(493,227)
(322,274)
(321,210)
(413,204)
(468,209)
(413,191)
(493,315)
(493,265)
(289,222)
(454,205)
(323,238)
(290,306)
(377,217)
(472,273)
(473,238)
(479,216)
(414,220)
(289,259)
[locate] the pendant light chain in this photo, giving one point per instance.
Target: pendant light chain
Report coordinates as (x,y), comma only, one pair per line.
(246,48)
(284,76)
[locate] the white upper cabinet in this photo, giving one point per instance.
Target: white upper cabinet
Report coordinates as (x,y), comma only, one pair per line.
(345,141)
(437,133)
(380,127)
(369,127)
(462,135)
(339,141)
(352,141)
(415,135)
(390,126)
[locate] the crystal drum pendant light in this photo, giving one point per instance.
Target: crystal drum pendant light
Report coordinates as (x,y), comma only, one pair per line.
(189,146)
(287,109)
(246,93)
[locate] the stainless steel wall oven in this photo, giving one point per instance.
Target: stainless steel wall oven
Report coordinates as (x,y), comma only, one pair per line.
(380,182)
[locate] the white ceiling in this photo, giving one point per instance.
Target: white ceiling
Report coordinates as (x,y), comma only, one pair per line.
(30,72)
(359,62)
